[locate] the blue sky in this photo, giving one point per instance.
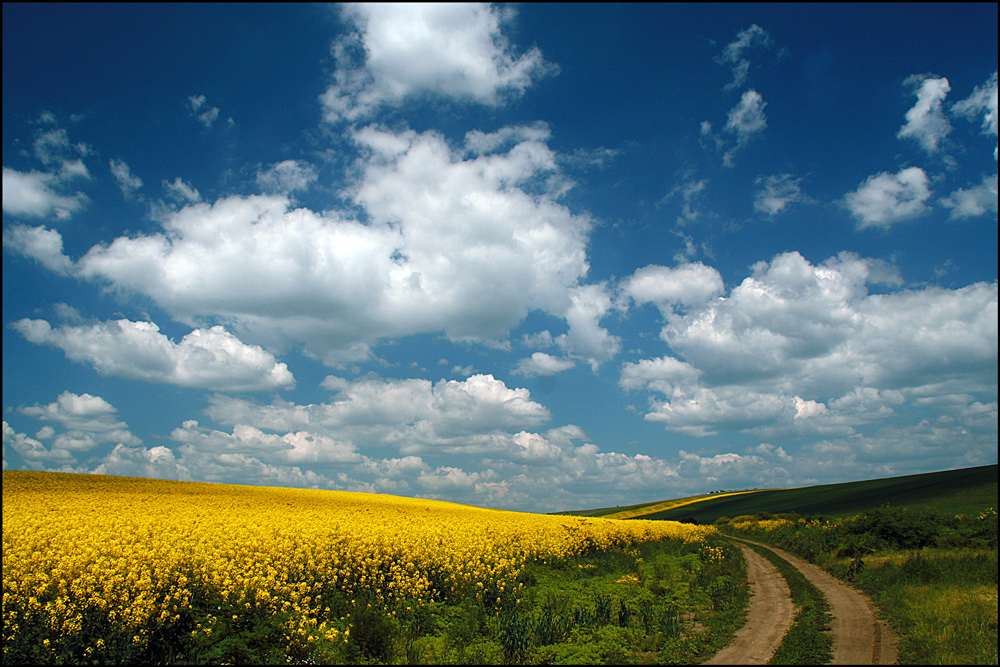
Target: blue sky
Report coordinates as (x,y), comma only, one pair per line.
(517,256)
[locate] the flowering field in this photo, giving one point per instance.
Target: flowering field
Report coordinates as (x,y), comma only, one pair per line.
(110,569)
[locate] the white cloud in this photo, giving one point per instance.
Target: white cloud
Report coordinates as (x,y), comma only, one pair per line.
(925,121)
(181,191)
(746,120)
(205,114)
(800,349)
(690,191)
(78,412)
(885,199)
(586,337)
(32,452)
(975,201)
(334,383)
(37,194)
(482,143)
(291,448)
(413,415)
(286,176)
(156,462)
(39,243)
(777,192)
(463,245)
(983,103)
(540,363)
(660,375)
(735,52)
(692,284)
(206,358)
(45,118)
(747,117)
(490,462)
(448,479)
(53,148)
(86,421)
(399,51)
(127,181)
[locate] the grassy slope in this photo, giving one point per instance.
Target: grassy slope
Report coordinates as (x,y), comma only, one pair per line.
(965,491)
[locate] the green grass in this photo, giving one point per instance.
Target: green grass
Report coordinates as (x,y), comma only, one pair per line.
(965,491)
(943,602)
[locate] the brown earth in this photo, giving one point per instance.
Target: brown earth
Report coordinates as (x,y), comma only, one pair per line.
(859,638)
(768,619)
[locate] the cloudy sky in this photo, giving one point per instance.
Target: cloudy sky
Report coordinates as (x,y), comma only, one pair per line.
(521,256)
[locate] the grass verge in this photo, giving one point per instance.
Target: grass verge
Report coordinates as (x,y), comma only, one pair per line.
(942,602)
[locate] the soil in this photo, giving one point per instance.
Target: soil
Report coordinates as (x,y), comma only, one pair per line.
(768,619)
(859,638)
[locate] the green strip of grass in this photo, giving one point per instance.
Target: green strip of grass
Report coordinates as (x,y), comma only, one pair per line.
(806,642)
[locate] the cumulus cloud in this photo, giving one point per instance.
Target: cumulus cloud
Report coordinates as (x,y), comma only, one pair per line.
(975,201)
(540,363)
(156,462)
(357,443)
(45,193)
(687,285)
(79,412)
(36,194)
(459,240)
(398,51)
(799,349)
(85,422)
(926,122)
(413,415)
(586,338)
(205,358)
(885,199)
(39,243)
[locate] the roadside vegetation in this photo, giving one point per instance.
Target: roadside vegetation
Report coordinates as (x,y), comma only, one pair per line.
(933,576)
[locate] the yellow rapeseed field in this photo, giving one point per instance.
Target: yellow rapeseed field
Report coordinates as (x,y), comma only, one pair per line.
(83,554)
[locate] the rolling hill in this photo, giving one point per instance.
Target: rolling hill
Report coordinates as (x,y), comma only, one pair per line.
(963,491)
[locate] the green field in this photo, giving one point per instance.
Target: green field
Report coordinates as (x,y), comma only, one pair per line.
(950,492)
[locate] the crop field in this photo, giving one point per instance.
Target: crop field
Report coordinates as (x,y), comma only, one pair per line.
(112,569)
(950,492)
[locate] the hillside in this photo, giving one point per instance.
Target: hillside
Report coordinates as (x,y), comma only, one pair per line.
(949,492)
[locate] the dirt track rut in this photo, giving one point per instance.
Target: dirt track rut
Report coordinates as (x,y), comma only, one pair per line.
(768,620)
(859,638)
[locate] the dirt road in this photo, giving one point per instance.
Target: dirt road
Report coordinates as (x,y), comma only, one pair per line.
(769,617)
(858,637)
